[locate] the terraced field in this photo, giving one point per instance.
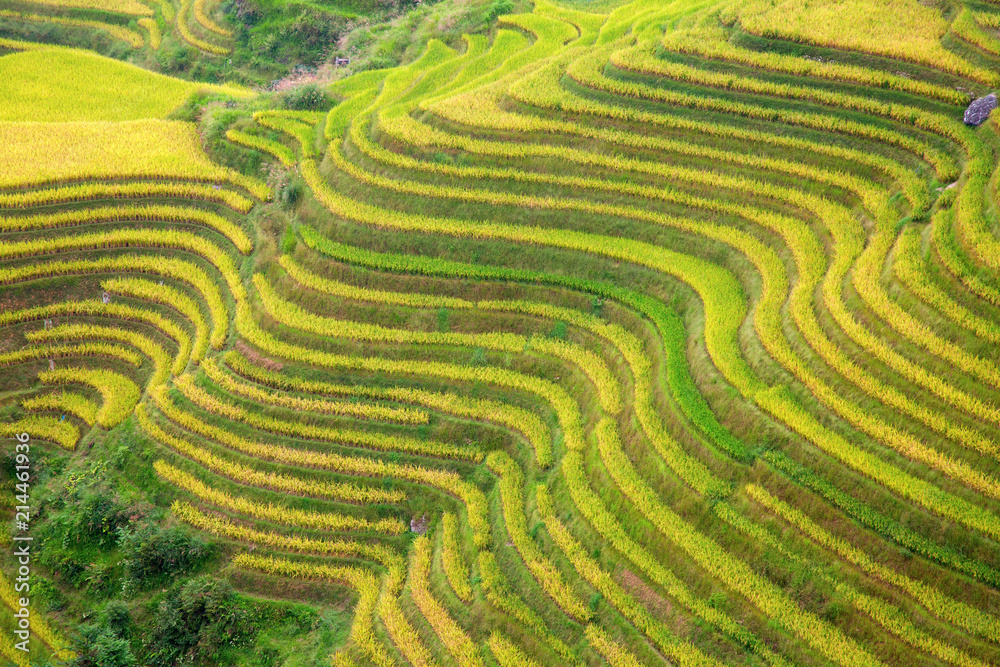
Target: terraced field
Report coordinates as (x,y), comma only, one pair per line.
(665,335)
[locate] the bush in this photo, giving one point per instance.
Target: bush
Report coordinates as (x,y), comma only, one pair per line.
(196,622)
(309,96)
(498,8)
(290,192)
(152,551)
(106,644)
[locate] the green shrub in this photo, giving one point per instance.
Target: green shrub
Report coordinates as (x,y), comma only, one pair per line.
(301,98)
(152,551)
(498,8)
(196,622)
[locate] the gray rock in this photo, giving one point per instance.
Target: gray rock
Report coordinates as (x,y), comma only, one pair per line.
(980,110)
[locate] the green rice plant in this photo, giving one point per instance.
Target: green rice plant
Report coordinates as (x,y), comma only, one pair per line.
(954,611)
(640,59)
(119,394)
(403,127)
(452,560)
(279,514)
(887,527)
(712,41)
(340,491)
(96,191)
(159,213)
(610,528)
(407,130)
(541,568)
(310,237)
(297,126)
(452,636)
(667,323)
(899,441)
(352,437)
(901,29)
(735,573)
(230,530)
(672,334)
(66,402)
(542,90)
(507,653)
(724,306)
(825,347)
(267,146)
(869,426)
(360,579)
(348,408)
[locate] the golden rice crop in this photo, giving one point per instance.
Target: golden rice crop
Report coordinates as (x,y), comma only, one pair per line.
(452,560)
(189,37)
(91,191)
(351,437)
(350,408)
(118,393)
(340,491)
(153,28)
(201,16)
(159,213)
(43,153)
(225,528)
(541,568)
(63,433)
(67,402)
(130,37)
(274,513)
(507,653)
(450,633)
(954,611)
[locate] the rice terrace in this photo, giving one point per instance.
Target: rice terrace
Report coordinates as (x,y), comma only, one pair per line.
(499,333)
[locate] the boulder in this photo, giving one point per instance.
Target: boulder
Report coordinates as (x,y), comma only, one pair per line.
(980,109)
